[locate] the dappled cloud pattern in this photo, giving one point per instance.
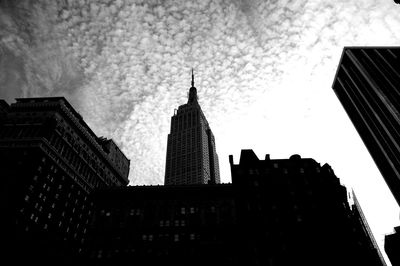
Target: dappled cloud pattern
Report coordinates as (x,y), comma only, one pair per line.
(125,65)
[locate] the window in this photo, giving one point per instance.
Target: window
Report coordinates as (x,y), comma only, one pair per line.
(27,198)
(176,238)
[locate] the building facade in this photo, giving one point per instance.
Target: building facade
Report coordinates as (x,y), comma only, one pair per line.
(191,151)
(363,230)
(276,212)
(165,225)
(51,162)
(367,83)
(295,212)
(392,244)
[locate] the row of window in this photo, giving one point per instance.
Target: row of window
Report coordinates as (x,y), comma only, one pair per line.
(21,131)
(184,121)
(171,237)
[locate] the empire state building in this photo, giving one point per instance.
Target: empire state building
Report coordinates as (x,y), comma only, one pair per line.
(191,152)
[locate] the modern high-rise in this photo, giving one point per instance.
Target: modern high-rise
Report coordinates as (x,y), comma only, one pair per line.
(191,152)
(50,163)
(367,83)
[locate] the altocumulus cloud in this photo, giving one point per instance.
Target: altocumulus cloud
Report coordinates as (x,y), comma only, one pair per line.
(125,64)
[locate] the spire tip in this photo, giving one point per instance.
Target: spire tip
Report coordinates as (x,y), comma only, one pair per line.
(192,78)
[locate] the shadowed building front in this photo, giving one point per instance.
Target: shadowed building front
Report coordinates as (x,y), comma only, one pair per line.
(191,152)
(50,163)
(276,212)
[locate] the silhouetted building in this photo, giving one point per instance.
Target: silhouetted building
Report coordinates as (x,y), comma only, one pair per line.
(367,84)
(363,230)
(165,225)
(295,212)
(276,212)
(392,244)
(51,161)
(191,152)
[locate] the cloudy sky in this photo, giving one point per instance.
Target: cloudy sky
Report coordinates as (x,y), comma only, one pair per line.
(263,70)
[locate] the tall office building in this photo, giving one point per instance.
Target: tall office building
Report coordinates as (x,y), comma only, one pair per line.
(367,83)
(191,152)
(50,163)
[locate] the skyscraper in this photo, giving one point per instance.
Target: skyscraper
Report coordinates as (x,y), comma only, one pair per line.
(367,83)
(191,152)
(50,162)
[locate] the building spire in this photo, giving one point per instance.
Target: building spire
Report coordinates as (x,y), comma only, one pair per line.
(192,91)
(192,78)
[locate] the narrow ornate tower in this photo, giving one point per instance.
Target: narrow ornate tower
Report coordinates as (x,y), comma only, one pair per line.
(191,152)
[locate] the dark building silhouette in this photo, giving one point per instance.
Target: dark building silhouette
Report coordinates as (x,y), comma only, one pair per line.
(392,244)
(51,162)
(165,225)
(363,230)
(367,84)
(191,152)
(295,212)
(275,212)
